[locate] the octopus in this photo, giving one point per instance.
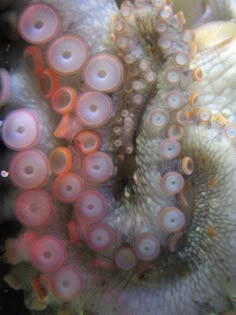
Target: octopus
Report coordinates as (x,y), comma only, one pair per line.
(118,158)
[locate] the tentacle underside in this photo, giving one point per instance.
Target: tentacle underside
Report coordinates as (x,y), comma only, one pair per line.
(120,131)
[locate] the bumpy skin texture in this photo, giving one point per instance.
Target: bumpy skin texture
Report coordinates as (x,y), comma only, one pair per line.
(196,275)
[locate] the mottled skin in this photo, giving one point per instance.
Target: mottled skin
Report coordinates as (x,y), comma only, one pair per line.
(200,278)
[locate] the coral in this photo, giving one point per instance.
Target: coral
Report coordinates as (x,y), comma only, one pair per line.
(120,125)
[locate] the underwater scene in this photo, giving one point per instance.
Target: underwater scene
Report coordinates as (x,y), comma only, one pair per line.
(118,157)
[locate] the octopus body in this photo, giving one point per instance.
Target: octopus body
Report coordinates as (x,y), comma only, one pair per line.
(120,129)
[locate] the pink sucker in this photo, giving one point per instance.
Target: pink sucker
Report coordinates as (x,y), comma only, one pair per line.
(39,23)
(88,141)
(34,59)
(74,231)
(48,253)
(172,75)
(172,183)
(197,74)
(187,165)
(174,99)
(29,169)
(147,246)
(34,208)
(4,86)
(68,127)
(48,81)
(40,288)
(158,118)
(68,54)
(94,108)
(182,117)
(140,4)
(44,280)
(123,43)
(137,99)
(100,237)
(19,249)
(104,263)
(20,130)
(181,58)
(67,283)
(64,100)
(165,42)
(150,76)
(118,25)
(175,241)
(67,187)
(204,116)
(188,36)
(97,167)
(158,3)
(175,131)
(161,26)
(172,219)
(130,59)
(169,148)
(166,13)
(125,258)
(61,160)
(91,206)
(138,86)
(83,225)
(104,73)
(12,254)
(126,10)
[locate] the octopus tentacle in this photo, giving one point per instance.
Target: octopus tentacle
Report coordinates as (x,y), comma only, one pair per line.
(121,144)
